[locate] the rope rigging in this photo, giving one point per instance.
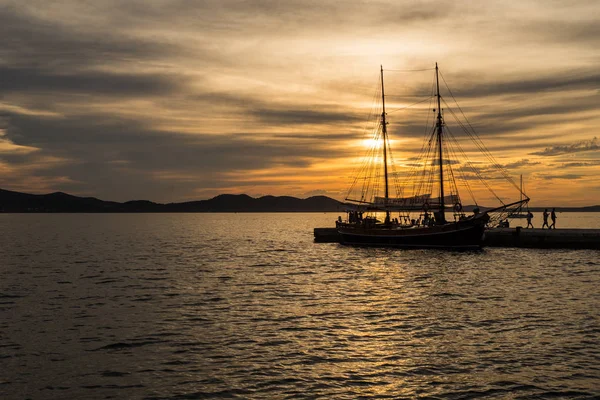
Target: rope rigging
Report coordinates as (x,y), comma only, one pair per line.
(419,179)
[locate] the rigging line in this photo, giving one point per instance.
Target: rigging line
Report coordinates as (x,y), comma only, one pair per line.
(430,130)
(450,170)
(416,167)
(477,136)
(431,94)
(427,132)
(428,179)
(467,185)
(412,173)
(424,182)
(460,170)
(370,121)
(369,168)
(404,108)
(374,172)
(363,173)
(409,70)
(475,171)
(464,116)
(484,150)
(392,163)
(406,95)
(399,190)
(416,173)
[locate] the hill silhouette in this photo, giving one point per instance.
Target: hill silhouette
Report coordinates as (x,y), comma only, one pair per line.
(17,202)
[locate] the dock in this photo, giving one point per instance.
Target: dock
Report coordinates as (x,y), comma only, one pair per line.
(513,237)
(543,238)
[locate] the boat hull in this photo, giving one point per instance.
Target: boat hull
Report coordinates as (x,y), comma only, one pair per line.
(466,234)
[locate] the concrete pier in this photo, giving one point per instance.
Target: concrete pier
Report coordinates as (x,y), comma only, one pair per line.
(513,237)
(543,238)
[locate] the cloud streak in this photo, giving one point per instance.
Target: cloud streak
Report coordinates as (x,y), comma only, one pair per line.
(174,100)
(578,147)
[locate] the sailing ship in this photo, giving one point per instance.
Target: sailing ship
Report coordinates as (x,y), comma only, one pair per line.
(423,219)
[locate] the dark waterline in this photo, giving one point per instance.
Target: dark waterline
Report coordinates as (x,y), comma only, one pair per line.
(246,306)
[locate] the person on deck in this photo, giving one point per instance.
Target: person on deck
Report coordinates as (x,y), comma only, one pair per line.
(529,218)
(553,216)
(426,218)
(545,219)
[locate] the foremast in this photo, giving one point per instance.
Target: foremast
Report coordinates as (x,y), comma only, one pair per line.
(385,166)
(441,217)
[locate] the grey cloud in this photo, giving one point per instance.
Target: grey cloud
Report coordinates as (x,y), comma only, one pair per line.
(99,138)
(586,145)
(36,42)
(550,177)
(279,113)
(569,32)
(299,116)
(521,163)
(230,18)
(580,164)
(48,60)
(36,80)
(107,154)
(555,106)
(326,136)
(562,80)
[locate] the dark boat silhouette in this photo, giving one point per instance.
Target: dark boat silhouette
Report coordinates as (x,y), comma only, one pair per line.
(422,218)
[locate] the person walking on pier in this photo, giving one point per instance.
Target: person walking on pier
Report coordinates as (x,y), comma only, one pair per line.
(545,219)
(553,216)
(529,217)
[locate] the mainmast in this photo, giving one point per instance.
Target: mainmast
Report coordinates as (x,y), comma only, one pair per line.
(441,217)
(385,167)
(521,188)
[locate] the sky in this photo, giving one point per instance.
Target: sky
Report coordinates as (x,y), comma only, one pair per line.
(183,100)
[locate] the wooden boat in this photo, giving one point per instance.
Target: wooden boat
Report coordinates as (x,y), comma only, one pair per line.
(422,220)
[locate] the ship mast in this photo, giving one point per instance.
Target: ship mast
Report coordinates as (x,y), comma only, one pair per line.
(385,167)
(441,218)
(521,189)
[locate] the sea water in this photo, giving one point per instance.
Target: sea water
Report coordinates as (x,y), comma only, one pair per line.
(186,306)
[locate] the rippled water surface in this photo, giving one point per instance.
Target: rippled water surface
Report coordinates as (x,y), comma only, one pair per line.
(186,306)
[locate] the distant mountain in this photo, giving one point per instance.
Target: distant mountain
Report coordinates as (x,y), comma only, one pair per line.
(61,202)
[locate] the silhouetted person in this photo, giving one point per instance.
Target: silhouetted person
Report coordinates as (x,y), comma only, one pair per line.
(553,216)
(529,217)
(545,219)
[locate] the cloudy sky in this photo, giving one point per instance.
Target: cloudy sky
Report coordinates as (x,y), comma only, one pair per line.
(180,100)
